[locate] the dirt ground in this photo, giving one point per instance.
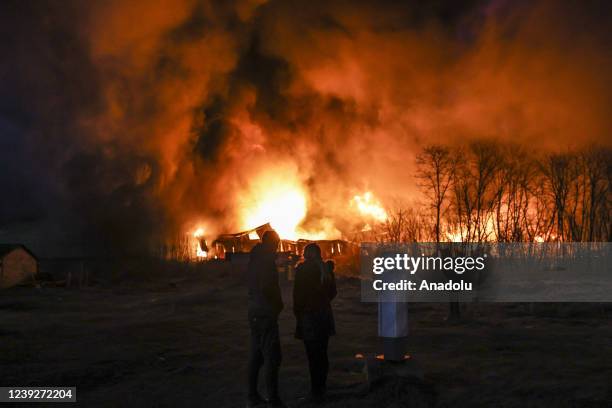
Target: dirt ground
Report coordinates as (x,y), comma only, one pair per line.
(180,340)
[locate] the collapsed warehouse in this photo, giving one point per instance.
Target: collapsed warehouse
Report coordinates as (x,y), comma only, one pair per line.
(235,245)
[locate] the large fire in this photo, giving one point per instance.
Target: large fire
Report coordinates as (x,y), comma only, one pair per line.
(229,115)
(283,206)
(280,199)
(276,198)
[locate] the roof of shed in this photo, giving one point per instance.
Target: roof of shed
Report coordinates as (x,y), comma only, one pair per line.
(7,248)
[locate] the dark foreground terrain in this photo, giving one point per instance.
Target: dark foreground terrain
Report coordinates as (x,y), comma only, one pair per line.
(180,340)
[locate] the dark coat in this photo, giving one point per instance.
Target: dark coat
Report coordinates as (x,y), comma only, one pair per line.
(264,291)
(312,302)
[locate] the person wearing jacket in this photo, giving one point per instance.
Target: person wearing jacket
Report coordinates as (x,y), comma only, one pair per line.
(265,304)
(313,291)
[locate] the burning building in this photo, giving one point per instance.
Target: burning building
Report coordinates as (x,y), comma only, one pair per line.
(242,113)
(239,242)
(226,246)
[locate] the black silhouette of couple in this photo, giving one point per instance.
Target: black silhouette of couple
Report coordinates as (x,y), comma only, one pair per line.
(314,288)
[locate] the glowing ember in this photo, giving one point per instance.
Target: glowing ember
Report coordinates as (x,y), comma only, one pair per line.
(370,207)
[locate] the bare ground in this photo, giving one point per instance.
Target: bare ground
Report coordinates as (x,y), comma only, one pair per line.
(180,340)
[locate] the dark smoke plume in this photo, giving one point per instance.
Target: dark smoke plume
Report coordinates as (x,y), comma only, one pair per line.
(129,121)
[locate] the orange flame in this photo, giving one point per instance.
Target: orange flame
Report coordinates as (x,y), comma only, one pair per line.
(197,234)
(278,198)
(368,206)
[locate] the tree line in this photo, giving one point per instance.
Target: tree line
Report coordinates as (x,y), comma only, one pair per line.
(489,191)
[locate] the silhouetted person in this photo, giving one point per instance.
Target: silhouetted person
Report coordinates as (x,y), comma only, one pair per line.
(265,304)
(315,287)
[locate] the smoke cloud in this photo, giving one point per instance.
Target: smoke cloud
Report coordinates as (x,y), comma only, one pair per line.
(134,120)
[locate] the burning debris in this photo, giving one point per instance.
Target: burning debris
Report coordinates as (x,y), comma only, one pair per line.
(227,245)
(240,242)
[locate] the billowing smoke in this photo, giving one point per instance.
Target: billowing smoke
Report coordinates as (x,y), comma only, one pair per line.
(134,120)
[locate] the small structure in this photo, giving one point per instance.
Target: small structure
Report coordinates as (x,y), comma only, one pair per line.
(17,265)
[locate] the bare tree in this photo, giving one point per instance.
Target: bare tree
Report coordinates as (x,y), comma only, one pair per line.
(597,165)
(556,169)
(435,169)
(514,195)
(475,190)
(403,225)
